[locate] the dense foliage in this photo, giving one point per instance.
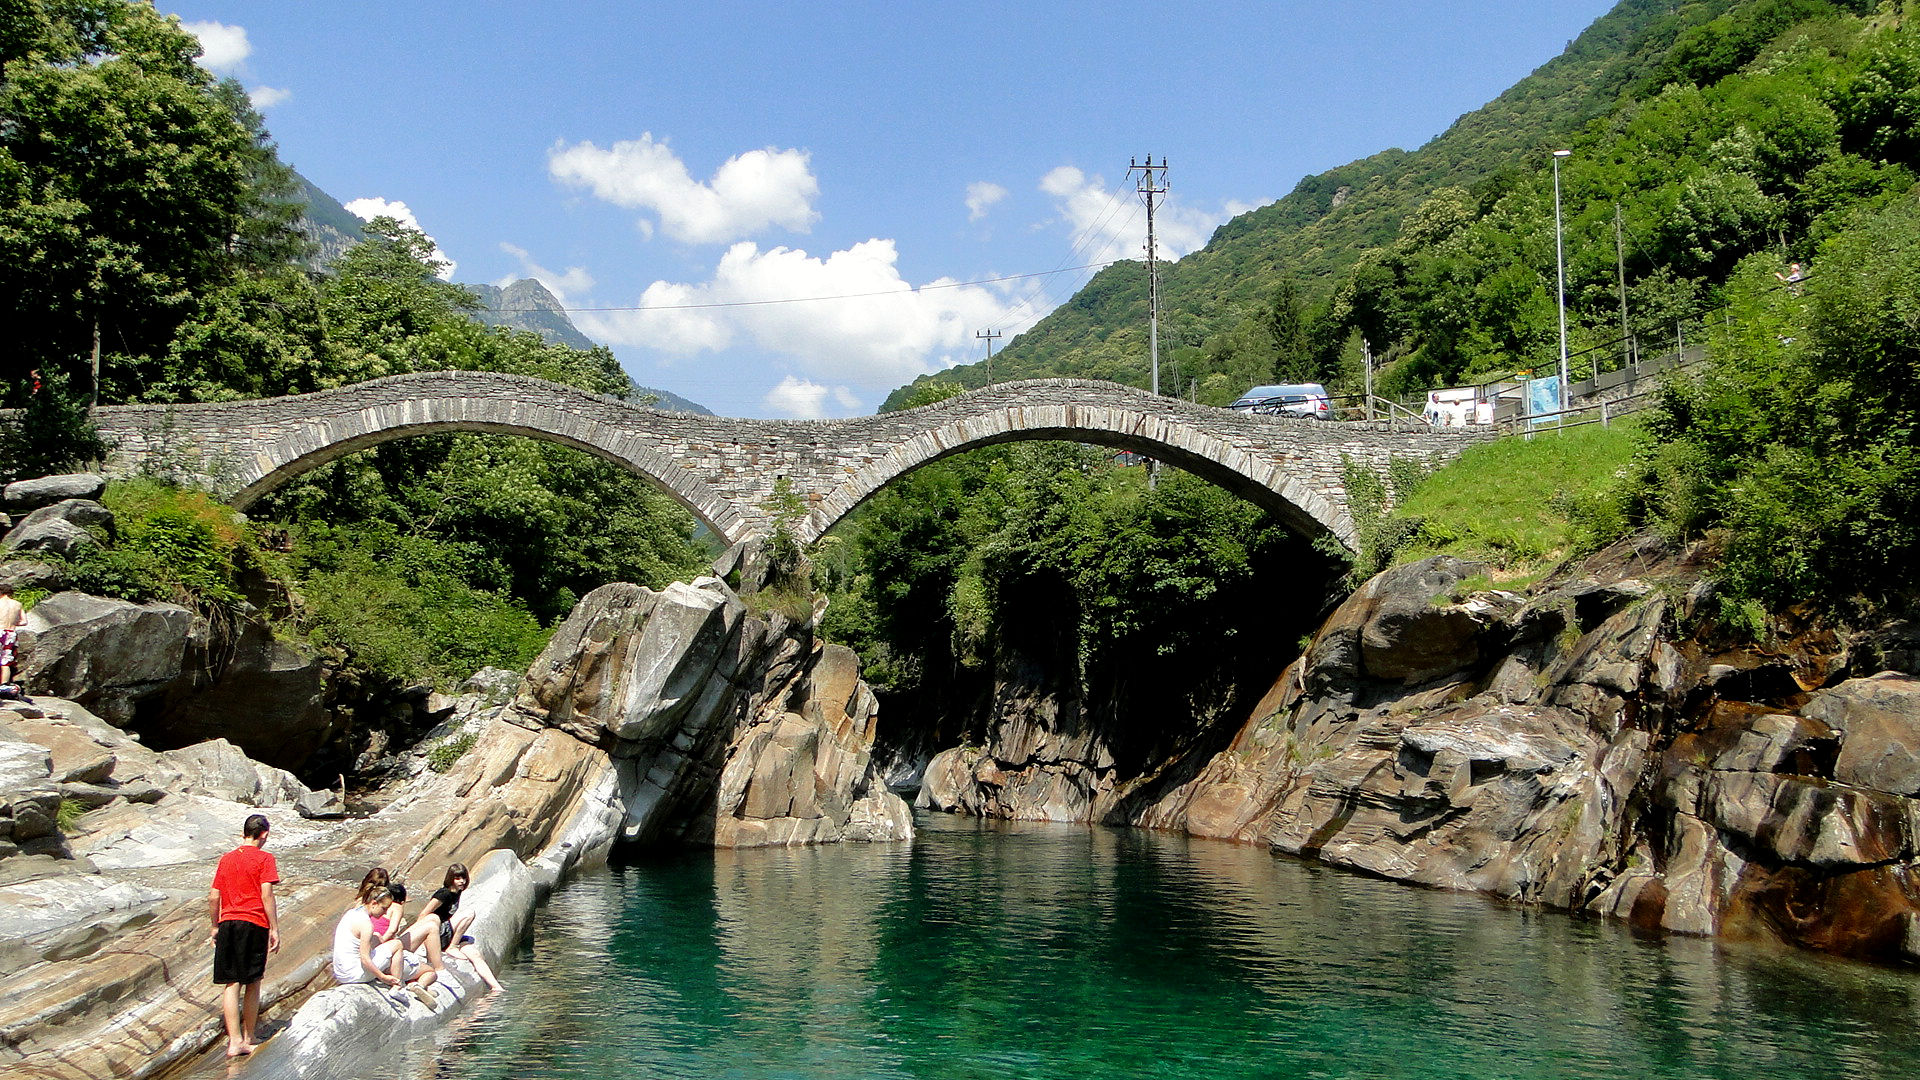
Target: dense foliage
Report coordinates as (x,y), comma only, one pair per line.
(142,200)
(1046,561)
(1708,130)
(1720,150)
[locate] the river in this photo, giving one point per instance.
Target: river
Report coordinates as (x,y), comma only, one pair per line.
(995,950)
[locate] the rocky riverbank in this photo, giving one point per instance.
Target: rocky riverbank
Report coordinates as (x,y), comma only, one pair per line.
(664,715)
(1597,745)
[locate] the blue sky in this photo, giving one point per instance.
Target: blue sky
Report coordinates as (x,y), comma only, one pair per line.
(698,160)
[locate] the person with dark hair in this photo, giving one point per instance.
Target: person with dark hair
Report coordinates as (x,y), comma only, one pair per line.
(360,957)
(388,924)
(444,930)
(12,617)
(246,928)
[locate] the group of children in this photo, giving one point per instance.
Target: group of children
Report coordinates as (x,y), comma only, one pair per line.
(370,945)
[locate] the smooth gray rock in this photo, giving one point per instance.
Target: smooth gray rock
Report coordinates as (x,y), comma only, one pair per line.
(26,496)
(23,765)
(91,772)
(1879,722)
(105,654)
(224,771)
(320,805)
(23,574)
(56,536)
(60,529)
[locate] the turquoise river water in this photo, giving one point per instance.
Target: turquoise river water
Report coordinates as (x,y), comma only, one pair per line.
(986,950)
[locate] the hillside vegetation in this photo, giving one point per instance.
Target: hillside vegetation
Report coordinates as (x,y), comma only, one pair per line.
(145,215)
(1716,128)
(1714,146)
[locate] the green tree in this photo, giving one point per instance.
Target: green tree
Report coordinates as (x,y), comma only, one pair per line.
(130,184)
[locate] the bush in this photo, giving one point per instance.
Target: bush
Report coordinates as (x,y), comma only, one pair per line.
(52,434)
(442,757)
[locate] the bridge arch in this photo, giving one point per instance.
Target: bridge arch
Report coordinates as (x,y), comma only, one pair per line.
(1116,424)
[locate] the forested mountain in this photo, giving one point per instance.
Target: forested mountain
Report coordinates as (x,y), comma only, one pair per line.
(1442,257)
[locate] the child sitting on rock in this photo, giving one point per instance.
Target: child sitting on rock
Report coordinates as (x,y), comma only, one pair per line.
(359,956)
(442,929)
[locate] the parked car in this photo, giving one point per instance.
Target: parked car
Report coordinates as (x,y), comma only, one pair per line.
(1287,399)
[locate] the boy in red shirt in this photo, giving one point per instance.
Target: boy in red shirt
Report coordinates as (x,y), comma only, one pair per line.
(246,927)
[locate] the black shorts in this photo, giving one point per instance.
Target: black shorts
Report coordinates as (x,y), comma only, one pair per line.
(239,952)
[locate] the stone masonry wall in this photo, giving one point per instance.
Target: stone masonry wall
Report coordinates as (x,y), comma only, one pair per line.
(725,469)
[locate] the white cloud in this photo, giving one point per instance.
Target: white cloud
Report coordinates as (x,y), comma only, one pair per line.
(1113,225)
(372,207)
(222,48)
(749,193)
(878,332)
(982,194)
(576,281)
(266,97)
(803,400)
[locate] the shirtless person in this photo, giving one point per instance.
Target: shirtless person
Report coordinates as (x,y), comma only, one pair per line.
(12,617)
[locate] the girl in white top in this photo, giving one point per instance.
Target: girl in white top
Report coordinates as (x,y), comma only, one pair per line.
(357,959)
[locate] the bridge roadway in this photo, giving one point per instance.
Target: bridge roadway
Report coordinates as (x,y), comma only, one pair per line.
(724,470)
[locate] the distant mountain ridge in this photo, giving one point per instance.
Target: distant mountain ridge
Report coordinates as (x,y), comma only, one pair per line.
(522,305)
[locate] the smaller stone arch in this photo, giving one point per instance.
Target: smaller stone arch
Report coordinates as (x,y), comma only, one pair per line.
(1110,417)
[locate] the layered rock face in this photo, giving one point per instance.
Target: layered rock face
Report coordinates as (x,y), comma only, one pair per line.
(726,729)
(1587,747)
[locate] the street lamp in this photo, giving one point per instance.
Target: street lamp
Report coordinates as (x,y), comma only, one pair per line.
(1560,263)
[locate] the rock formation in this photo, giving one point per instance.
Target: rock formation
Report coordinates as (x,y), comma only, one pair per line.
(669,716)
(1591,747)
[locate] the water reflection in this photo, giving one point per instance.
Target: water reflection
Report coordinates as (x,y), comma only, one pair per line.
(1026,950)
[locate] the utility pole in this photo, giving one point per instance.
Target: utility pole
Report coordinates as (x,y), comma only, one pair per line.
(988,336)
(1620,261)
(1560,262)
(1151,184)
(1366,356)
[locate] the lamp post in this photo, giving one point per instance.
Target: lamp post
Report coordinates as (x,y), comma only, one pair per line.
(1560,264)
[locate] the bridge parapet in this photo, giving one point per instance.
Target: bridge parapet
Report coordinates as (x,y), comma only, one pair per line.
(725,469)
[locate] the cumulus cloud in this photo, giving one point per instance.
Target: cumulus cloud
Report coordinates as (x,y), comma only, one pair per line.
(878,332)
(982,194)
(1110,225)
(223,48)
(575,281)
(372,207)
(802,400)
(266,97)
(749,193)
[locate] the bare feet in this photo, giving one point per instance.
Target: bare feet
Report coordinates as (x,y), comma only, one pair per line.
(239,1049)
(425,995)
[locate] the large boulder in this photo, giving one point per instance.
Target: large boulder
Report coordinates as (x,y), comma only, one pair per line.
(633,665)
(23,574)
(1878,720)
(60,529)
(224,771)
(725,729)
(108,655)
(251,688)
(1402,626)
(26,496)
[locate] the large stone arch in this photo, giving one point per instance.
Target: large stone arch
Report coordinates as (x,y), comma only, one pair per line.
(1111,423)
(246,449)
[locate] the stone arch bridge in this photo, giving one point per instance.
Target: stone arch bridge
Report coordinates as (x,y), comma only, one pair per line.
(724,470)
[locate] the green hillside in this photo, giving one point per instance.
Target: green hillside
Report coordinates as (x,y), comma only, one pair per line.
(1287,290)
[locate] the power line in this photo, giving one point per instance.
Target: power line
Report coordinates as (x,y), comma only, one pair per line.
(807,299)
